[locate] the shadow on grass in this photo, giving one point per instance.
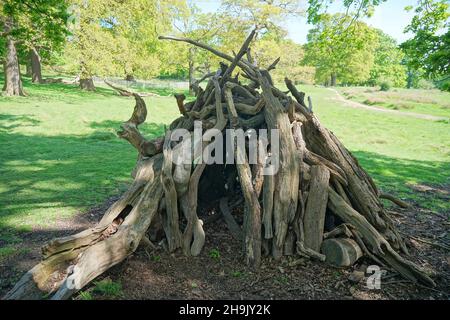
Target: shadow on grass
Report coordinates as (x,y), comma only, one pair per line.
(399,176)
(16,121)
(44,178)
(150,130)
(70,93)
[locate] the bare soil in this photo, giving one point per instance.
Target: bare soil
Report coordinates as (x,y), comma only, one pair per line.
(219,271)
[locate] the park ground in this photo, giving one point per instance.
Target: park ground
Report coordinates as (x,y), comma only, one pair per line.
(61,164)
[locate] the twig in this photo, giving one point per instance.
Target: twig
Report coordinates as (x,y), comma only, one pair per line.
(234,228)
(442,246)
(395,200)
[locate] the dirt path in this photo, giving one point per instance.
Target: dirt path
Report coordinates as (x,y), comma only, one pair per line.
(354,104)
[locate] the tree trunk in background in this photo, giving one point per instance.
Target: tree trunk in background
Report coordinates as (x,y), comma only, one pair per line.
(13,83)
(191,71)
(87,84)
(36,71)
(333,80)
(129,77)
(28,70)
(86,81)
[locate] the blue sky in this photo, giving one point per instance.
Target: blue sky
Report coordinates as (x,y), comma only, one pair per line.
(389,17)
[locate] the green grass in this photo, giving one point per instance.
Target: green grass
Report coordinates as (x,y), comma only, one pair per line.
(60,154)
(85,295)
(399,152)
(108,288)
(431,102)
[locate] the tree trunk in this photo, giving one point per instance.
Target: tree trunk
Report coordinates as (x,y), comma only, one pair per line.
(191,71)
(86,81)
(333,79)
(36,72)
(13,82)
(28,66)
(87,84)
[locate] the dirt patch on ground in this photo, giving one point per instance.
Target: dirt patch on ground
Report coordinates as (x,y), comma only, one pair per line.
(219,271)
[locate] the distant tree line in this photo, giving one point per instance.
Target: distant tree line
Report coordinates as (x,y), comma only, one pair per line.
(120,38)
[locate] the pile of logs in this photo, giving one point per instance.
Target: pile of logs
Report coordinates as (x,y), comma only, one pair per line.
(321,204)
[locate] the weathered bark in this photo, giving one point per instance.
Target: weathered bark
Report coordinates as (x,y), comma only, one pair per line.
(287,179)
(13,82)
(252,219)
(341,252)
(315,173)
(36,72)
(376,242)
(191,70)
(316,205)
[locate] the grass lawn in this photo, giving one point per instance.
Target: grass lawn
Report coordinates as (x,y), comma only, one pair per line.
(432,102)
(60,155)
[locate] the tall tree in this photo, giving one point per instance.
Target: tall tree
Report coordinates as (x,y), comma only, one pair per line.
(429,49)
(238,17)
(21,22)
(117,38)
(341,49)
(91,46)
(191,23)
(388,64)
(291,54)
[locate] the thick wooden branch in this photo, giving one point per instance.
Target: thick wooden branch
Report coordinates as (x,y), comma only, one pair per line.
(378,245)
(238,57)
(216,52)
(299,96)
(287,177)
(170,219)
(400,203)
(233,226)
(180,99)
(252,219)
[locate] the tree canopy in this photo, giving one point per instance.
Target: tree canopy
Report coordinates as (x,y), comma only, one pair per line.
(341,50)
(428,50)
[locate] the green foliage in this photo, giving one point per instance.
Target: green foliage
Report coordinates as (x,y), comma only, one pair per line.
(444,85)
(338,46)
(385,86)
(425,84)
(363,8)
(237,274)
(156,258)
(85,295)
(271,46)
(214,254)
(428,50)
(117,38)
(108,288)
(388,61)
(6,251)
(42,23)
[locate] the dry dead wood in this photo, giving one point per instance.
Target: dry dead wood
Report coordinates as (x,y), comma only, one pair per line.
(287,209)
